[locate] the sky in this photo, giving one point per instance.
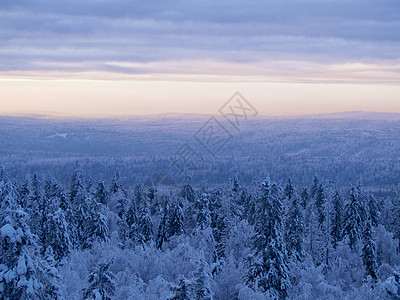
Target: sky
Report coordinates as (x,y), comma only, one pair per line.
(97,57)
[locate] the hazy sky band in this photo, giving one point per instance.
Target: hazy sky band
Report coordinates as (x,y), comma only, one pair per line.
(37,34)
(355,42)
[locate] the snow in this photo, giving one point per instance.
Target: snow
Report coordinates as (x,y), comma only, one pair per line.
(21,266)
(8,231)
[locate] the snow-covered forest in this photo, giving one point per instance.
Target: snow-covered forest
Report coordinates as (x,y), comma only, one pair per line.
(106,240)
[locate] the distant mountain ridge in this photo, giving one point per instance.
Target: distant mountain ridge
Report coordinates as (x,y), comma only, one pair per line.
(356,115)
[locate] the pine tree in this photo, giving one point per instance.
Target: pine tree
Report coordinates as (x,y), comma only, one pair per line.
(305,197)
(116,184)
(140,200)
(52,288)
(119,197)
(289,191)
(35,204)
(369,251)
(337,220)
(219,221)
(395,218)
(23,275)
(187,191)
(354,217)
(176,224)
(373,211)
(202,235)
(320,204)
(162,235)
(101,284)
(314,187)
(182,290)
(295,229)
(102,194)
(203,215)
(57,233)
(145,226)
(79,215)
(268,265)
(202,288)
(236,199)
(97,226)
(24,193)
(131,222)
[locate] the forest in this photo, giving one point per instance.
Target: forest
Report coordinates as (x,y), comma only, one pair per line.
(268,240)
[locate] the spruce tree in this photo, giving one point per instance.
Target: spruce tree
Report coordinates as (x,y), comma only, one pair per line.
(102,194)
(294,234)
(320,204)
(145,226)
(162,235)
(57,232)
(268,271)
(96,229)
(23,274)
(237,200)
(101,284)
(79,216)
(187,191)
(176,224)
(369,252)
(131,222)
(373,210)
(201,284)
(305,197)
(182,290)
(354,216)
(337,219)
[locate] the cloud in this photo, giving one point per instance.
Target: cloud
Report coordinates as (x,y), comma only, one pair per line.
(88,36)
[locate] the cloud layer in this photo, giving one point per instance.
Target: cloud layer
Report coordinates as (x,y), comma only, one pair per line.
(296,40)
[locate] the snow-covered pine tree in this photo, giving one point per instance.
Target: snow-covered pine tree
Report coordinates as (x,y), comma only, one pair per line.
(96,229)
(162,234)
(202,235)
(268,271)
(116,184)
(201,283)
(131,222)
(8,193)
(176,222)
(24,193)
(101,283)
(202,213)
(395,219)
(305,197)
(23,275)
(187,191)
(79,200)
(320,204)
(219,220)
(121,203)
(145,226)
(314,187)
(373,211)
(182,291)
(120,200)
(236,200)
(140,199)
(336,219)
(51,278)
(35,205)
(369,252)
(102,194)
(354,216)
(294,234)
